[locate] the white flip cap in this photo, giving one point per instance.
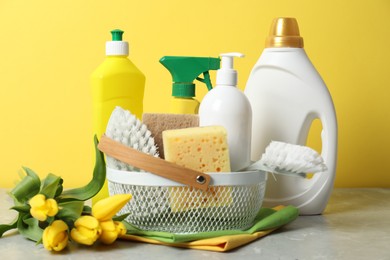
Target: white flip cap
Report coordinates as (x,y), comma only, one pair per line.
(117,48)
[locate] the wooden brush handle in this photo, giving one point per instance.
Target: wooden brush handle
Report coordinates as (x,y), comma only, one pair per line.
(153,164)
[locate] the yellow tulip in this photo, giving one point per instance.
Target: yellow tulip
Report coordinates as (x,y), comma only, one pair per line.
(106,208)
(120,228)
(55,236)
(86,231)
(109,232)
(41,208)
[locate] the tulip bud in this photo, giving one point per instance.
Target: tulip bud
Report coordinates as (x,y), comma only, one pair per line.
(86,231)
(55,236)
(109,232)
(106,208)
(41,208)
(120,228)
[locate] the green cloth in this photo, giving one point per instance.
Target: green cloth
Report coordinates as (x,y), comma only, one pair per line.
(266,219)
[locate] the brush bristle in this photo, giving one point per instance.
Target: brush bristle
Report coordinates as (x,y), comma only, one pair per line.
(293,158)
(125,128)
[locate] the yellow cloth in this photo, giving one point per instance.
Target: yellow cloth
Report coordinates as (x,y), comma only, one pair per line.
(219,244)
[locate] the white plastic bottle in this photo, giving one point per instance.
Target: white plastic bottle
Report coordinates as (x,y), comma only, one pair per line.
(227,106)
(286,94)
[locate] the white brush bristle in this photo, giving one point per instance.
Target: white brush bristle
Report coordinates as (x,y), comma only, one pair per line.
(293,158)
(125,128)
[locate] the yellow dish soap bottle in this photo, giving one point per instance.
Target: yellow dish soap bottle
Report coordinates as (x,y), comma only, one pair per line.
(116,82)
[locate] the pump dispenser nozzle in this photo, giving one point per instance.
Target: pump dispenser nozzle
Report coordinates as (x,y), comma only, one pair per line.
(227,75)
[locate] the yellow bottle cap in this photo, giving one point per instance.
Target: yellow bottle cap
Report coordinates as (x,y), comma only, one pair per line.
(284,32)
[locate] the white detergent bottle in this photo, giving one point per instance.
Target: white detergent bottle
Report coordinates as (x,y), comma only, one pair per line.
(227,106)
(286,94)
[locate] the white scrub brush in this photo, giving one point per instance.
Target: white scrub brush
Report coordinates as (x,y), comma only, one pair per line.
(289,159)
(125,128)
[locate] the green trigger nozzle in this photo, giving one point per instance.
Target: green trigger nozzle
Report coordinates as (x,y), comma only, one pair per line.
(185,69)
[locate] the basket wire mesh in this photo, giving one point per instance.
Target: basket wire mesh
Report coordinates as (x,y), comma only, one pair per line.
(182,209)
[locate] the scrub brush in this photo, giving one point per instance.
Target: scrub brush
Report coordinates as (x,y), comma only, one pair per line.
(125,128)
(289,159)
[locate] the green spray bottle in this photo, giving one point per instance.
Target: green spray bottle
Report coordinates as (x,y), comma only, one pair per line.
(184,71)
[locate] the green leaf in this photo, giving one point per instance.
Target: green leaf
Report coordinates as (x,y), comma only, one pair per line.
(29,227)
(50,185)
(121,217)
(27,188)
(60,188)
(25,208)
(70,210)
(94,186)
(5,227)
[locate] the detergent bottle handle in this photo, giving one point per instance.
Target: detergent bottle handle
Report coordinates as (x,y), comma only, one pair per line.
(322,184)
(329,138)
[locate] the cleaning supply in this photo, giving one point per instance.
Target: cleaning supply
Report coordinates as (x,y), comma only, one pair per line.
(116,82)
(184,71)
(125,128)
(286,94)
(204,149)
(200,148)
(227,106)
(159,122)
(266,221)
(289,159)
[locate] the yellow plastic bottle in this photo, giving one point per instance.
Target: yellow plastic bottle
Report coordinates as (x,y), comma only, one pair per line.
(116,82)
(184,106)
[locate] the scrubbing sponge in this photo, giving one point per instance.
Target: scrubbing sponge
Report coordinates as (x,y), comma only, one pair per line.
(199,148)
(204,149)
(159,122)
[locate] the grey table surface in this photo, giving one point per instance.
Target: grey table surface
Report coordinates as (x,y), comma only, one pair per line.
(355,225)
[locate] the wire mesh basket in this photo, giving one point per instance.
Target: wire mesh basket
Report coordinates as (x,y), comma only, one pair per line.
(232,201)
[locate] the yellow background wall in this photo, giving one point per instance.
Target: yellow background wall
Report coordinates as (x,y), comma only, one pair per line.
(48,50)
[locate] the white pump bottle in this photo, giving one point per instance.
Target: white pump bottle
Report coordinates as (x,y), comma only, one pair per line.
(227,106)
(286,94)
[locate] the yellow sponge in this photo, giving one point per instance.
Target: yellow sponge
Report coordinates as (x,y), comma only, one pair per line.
(199,148)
